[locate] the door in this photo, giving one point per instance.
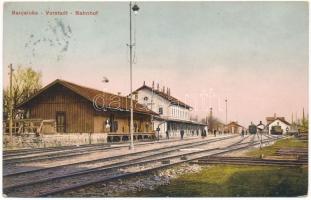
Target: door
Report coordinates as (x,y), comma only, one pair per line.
(99,124)
(61,122)
(112,124)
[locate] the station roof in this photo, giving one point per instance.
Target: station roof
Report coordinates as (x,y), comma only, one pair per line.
(166,96)
(180,121)
(271,119)
(282,119)
(234,124)
(111,101)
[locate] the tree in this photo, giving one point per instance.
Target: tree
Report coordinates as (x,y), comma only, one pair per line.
(25,83)
(213,123)
(304,125)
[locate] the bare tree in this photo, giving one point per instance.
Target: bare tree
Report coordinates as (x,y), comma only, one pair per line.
(25,83)
(213,123)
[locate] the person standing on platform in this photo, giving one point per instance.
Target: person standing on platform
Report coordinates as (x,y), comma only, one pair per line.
(182,134)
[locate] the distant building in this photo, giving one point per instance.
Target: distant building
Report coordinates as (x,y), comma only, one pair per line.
(173,114)
(73,108)
(233,128)
(214,123)
(271,119)
(279,122)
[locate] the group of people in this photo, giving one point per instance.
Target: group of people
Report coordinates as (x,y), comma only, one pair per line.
(182,133)
(203,133)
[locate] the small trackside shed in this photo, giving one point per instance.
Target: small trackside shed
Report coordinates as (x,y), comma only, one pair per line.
(79,109)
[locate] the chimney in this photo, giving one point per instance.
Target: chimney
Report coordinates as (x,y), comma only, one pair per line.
(144,83)
(158,87)
(167,91)
(274,115)
(153,85)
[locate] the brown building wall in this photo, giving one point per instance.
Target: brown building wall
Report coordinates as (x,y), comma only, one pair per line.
(81,117)
(142,122)
(232,128)
(78,111)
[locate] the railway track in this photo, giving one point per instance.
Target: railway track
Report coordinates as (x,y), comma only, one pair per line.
(300,153)
(240,141)
(96,163)
(61,153)
(292,151)
(21,152)
(250,161)
(91,176)
(15,153)
(117,158)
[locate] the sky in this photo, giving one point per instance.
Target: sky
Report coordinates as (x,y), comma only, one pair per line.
(255,54)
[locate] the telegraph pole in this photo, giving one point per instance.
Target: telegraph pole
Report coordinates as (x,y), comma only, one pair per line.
(135,8)
(226,100)
(131,80)
(11,105)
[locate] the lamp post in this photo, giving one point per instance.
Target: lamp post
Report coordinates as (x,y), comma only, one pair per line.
(226,100)
(135,9)
(104,80)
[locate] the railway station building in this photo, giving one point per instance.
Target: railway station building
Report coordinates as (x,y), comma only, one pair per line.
(233,128)
(79,109)
(172,116)
(278,124)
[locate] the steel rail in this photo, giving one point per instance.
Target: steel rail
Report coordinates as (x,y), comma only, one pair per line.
(8,153)
(116,157)
(117,169)
(165,150)
(71,153)
(56,191)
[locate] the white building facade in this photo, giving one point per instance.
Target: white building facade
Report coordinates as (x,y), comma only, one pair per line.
(285,126)
(174,115)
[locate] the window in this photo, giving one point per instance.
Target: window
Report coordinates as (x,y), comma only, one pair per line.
(160,110)
(145,98)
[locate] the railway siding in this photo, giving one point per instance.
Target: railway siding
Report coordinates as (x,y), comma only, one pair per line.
(36,175)
(93,176)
